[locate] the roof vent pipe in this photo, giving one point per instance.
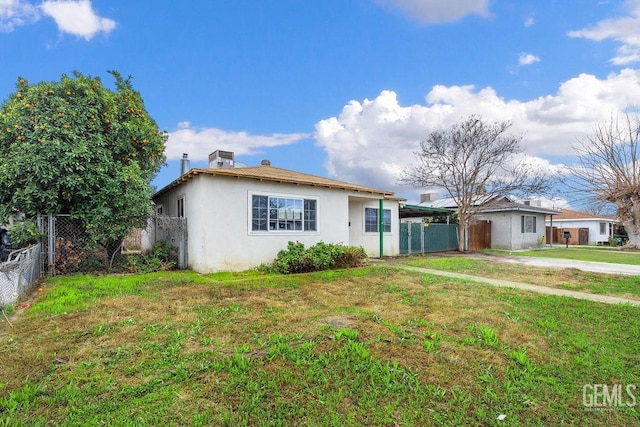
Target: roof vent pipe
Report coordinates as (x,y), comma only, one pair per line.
(185,164)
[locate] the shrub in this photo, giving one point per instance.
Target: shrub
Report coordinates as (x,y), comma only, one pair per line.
(24,233)
(322,256)
(162,257)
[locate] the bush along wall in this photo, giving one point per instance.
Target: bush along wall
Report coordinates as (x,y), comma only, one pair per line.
(321,256)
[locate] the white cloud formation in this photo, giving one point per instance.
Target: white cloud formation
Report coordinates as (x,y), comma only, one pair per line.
(200,142)
(77,18)
(625,30)
(438,11)
(527,59)
(14,13)
(373,141)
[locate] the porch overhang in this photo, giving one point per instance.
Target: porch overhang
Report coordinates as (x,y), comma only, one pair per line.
(417,211)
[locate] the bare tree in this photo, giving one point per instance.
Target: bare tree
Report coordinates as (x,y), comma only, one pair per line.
(609,170)
(474,161)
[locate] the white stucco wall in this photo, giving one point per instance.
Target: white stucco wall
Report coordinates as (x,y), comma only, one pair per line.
(593,225)
(371,241)
(506,230)
(218,212)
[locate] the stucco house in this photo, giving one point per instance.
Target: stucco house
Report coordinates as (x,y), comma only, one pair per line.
(240,217)
(512,225)
(584,228)
(515,225)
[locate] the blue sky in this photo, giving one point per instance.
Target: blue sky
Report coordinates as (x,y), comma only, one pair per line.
(340,88)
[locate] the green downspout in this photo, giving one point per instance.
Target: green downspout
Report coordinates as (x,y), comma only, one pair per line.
(381,226)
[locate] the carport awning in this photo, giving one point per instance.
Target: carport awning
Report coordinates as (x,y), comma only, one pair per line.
(413,211)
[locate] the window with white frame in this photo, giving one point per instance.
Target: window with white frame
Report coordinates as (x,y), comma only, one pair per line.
(371,220)
(528,223)
(603,228)
(277,213)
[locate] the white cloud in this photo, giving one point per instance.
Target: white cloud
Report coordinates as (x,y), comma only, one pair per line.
(438,11)
(625,30)
(372,141)
(77,17)
(527,59)
(529,21)
(14,13)
(200,142)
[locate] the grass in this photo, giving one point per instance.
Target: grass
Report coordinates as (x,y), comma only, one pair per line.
(568,278)
(371,346)
(581,253)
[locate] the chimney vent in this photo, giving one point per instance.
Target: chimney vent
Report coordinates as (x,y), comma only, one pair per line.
(266,162)
(185,164)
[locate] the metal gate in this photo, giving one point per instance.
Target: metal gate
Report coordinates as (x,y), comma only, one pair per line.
(172,230)
(428,237)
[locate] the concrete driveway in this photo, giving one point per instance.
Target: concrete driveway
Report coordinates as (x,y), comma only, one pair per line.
(596,267)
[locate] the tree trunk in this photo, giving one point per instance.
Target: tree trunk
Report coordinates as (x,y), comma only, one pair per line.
(633,233)
(462,232)
(629,214)
(112,247)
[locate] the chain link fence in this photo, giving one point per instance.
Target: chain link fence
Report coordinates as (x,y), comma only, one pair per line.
(68,249)
(21,270)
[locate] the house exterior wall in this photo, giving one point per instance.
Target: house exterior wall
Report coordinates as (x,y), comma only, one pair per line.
(218,212)
(368,240)
(595,237)
(506,230)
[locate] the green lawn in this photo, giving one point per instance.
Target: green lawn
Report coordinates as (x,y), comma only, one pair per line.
(580,253)
(373,346)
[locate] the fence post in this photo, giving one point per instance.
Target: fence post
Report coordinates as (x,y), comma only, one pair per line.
(182,245)
(51,240)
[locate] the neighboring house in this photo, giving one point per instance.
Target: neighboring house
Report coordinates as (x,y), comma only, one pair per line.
(241,217)
(513,225)
(584,228)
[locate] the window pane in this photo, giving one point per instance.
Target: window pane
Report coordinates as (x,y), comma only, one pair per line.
(370,220)
(387,220)
(528,224)
(259,213)
(310,215)
(283,214)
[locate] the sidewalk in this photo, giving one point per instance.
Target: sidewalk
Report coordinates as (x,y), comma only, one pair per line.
(517,285)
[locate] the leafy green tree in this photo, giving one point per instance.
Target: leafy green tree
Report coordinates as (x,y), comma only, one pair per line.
(78,148)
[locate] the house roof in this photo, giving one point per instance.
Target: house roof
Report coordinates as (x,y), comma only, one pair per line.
(492,204)
(450,203)
(273,174)
(570,215)
(505,205)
